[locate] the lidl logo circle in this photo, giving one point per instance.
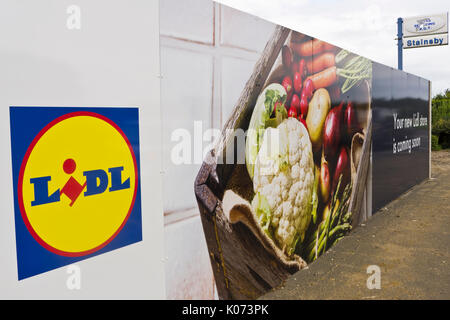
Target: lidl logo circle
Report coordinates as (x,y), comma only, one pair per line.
(75,212)
(78,182)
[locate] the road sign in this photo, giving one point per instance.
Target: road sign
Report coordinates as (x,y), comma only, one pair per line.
(421,31)
(426,41)
(425,25)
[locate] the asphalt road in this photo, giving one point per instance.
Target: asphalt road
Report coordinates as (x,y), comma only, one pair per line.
(409,241)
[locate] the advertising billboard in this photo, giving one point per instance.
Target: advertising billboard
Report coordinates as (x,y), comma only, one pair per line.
(308,153)
(195,152)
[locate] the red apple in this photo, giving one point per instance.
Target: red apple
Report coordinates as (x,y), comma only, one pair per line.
(324,181)
(297,82)
(332,132)
(304,106)
(342,168)
(351,120)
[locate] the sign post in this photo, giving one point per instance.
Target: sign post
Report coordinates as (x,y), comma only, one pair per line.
(400,42)
(421,31)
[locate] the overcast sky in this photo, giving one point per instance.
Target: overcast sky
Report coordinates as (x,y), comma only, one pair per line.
(368,28)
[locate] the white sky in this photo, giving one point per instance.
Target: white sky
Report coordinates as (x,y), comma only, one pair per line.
(366,27)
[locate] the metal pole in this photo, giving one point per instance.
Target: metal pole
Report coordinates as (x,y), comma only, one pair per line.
(430,114)
(400,42)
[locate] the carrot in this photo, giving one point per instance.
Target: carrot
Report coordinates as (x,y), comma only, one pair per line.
(324,78)
(350,68)
(309,48)
(323,61)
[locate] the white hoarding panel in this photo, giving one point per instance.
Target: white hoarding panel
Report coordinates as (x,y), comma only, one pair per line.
(425,25)
(80,136)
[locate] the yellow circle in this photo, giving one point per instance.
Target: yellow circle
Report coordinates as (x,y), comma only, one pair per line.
(93,144)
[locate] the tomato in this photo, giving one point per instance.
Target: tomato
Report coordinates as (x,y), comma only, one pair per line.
(297,82)
(295,102)
(304,106)
(292,112)
(308,89)
(287,84)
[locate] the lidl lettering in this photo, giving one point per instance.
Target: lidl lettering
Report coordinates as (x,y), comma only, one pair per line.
(96,183)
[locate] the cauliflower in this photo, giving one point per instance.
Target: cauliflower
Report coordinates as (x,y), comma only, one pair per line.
(283,183)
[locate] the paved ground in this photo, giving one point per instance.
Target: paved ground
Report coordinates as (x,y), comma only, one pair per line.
(409,240)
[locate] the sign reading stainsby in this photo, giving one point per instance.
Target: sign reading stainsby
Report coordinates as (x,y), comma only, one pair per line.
(425,31)
(426,41)
(76,184)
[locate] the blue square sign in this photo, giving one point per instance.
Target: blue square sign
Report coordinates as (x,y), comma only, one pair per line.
(76,177)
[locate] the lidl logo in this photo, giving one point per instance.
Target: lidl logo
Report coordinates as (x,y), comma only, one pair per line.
(76,184)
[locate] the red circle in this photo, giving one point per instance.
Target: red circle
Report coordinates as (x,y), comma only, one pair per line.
(22,171)
(69,166)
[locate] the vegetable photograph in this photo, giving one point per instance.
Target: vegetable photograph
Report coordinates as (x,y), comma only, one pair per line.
(302,179)
(306,112)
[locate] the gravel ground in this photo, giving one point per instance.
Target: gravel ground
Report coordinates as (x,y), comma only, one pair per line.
(408,240)
(440,162)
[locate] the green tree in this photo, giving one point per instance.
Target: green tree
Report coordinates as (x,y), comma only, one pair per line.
(441,117)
